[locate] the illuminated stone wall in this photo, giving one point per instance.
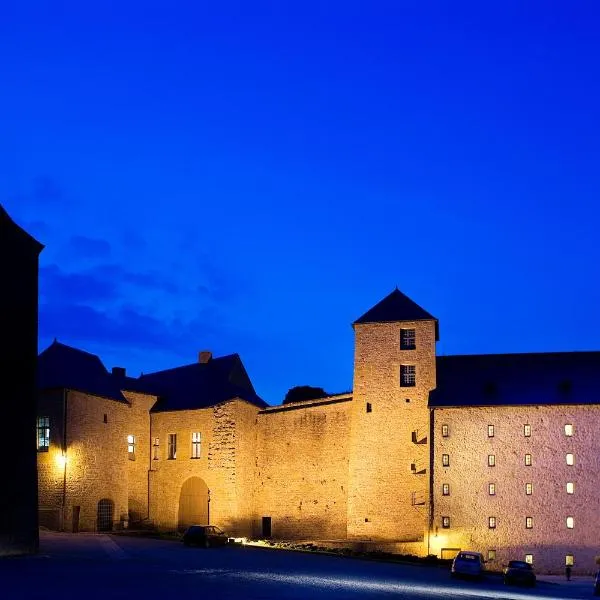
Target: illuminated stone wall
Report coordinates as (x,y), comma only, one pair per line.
(386,499)
(470,505)
(302,469)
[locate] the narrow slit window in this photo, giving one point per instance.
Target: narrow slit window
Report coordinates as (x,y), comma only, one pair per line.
(172,447)
(445,489)
(445,431)
(490,431)
(131,446)
(156,449)
(570,459)
(445,460)
(445,522)
(529,489)
(570,487)
(528,460)
(527,430)
(492,522)
(529,522)
(570,523)
(491,460)
(369,407)
(492,489)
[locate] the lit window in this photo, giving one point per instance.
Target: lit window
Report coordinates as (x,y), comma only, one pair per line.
(445,431)
(445,522)
(408,375)
(172,447)
(491,460)
(529,522)
(407,339)
(445,489)
(529,488)
(492,522)
(131,446)
(569,560)
(570,488)
(490,431)
(528,460)
(156,447)
(570,522)
(527,430)
(445,460)
(196,444)
(43,434)
(570,459)
(491,555)
(492,489)
(529,559)
(569,430)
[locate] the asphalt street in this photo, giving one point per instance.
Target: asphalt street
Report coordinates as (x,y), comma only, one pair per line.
(88,566)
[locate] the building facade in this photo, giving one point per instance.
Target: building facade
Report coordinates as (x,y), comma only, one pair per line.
(429,454)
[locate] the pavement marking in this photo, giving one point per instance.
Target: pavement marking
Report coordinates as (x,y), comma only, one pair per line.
(112,548)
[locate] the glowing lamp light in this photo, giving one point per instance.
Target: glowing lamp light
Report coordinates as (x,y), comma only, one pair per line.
(61,460)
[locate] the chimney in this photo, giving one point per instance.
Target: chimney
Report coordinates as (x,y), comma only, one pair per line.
(119,371)
(204,356)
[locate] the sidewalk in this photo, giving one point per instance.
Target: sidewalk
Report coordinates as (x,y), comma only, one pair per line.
(581,583)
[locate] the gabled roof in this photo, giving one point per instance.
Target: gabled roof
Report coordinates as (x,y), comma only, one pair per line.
(517,379)
(393,308)
(201,385)
(63,367)
(11,232)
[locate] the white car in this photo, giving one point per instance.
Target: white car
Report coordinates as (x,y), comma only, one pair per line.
(467,564)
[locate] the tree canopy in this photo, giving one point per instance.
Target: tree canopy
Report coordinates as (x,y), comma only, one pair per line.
(304,392)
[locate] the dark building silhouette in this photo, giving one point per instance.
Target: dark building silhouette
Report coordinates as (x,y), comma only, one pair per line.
(19,255)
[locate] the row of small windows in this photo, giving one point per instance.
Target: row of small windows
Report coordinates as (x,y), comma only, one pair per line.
(492,489)
(569,558)
(526,430)
(569,458)
(492,522)
(171,446)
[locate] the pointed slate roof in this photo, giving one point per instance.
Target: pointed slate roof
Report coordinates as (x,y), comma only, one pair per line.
(10,232)
(64,367)
(393,308)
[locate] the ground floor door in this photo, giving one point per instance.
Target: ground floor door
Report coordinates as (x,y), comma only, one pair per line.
(106,510)
(193,503)
(266,527)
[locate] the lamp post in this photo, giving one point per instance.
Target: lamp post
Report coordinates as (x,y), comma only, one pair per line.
(208,508)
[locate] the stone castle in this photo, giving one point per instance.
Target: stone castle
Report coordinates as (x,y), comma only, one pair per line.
(428,454)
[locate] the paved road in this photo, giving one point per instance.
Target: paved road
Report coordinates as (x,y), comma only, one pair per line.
(113,567)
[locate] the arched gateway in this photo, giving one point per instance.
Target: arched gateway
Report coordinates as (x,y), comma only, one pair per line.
(193,503)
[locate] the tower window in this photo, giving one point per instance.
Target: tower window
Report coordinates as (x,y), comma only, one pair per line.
(570,459)
(528,460)
(369,407)
(568,430)
(196,444)
(491,460)
(570,522)
(445,522)
(527,430)
(529,488)
(408,375)
(445,489)
(570,488)
(408,339)
(490,431)
(131,446)
(43,434)
(492,522)
(529,522)
(445,460)
(492,489)
(445,431)
(105,418)
(172,447)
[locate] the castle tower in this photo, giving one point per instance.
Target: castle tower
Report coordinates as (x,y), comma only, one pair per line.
(394,371)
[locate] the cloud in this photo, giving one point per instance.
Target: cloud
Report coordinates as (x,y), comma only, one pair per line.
(58,287)
(87,247)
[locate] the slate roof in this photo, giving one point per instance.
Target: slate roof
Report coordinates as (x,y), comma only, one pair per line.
(200,385)
(10,231)
(517,379)
(62,367)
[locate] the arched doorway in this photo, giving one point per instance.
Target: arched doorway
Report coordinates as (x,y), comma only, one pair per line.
(193,503)
(106,509)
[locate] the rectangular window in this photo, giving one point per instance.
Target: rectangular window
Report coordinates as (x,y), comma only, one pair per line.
(492,522)
(408,375)
(445,522)
(408,339)
(570,522)
(490,431)
(568,430)
(529,488)
(527,430)
(491,555)
(529,522)
(491,460)
(492,489)
(569,560)
(528,460)
(445,431)
(156,449)
(369,407)
(172,448)
(570,459)
(445,460)
(196,444)
(131,446)
(570,488)
(445,489)
(43,434)
(529,559)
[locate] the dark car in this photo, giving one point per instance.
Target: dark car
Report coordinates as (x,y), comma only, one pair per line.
(205,536)
(467,564)
(519,572)
(597,584)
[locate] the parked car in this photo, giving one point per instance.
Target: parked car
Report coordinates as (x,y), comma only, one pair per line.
(597,584)
(467,564)
(205,536)
(519,572)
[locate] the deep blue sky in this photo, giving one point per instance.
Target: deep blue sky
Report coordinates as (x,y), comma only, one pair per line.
(252,178)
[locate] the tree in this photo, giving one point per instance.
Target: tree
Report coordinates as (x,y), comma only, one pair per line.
(304,392)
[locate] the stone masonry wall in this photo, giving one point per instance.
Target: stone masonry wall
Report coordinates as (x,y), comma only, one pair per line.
(302,470)
(469,504)
(387,499)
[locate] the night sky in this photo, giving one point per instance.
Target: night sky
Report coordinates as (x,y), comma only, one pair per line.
(251,177)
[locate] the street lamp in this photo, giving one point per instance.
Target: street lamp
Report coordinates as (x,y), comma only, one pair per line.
(208,507)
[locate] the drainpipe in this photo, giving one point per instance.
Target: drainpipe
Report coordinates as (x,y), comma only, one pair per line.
(431,465)
(151,449)
(64,457)
(208,508)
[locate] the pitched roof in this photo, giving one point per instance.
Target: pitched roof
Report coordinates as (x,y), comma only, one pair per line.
(517,379)
(201,385)
(10,231)
(63,367)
